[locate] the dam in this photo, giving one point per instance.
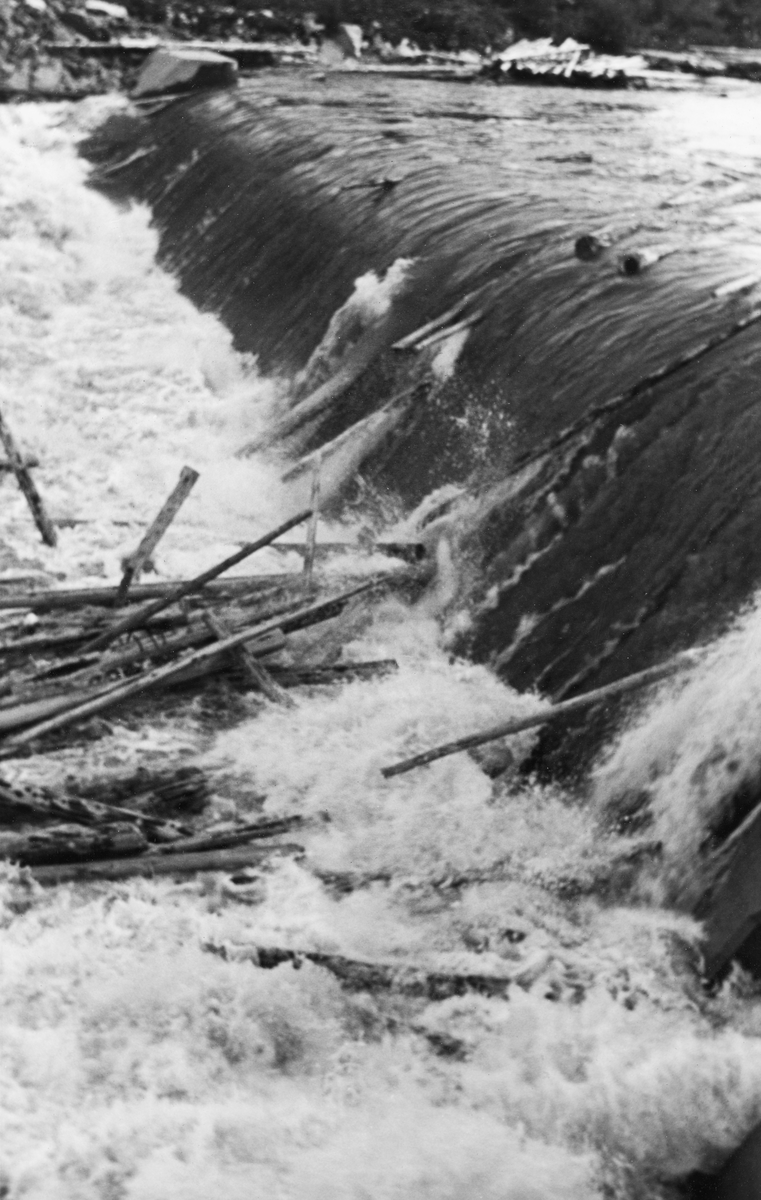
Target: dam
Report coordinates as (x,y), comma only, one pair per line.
(587,442)
(517,326)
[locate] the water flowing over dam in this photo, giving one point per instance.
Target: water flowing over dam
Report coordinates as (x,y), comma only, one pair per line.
(589,435)
(467,979)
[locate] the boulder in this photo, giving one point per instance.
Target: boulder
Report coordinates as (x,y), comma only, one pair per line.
(101,8)
(179,70)
(345,45)
(349,39)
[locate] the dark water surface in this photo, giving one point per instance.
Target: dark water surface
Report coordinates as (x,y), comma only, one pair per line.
(604,431)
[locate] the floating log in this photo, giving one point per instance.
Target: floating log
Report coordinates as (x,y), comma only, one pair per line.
(236,858)
(72,843)
(135,562)
(362,975)
(93,669)
(165,794)
(590,246)
(38,643)
(448,331)
(621,687)
(413,552)
(412,340)
(253,670)
(27,485)
(731,908)
(29,461)
(161,676)
(135,620)
(22,803)
(54,600)
(311,542)
(318,674)
(357,359)
(637,261)
(267,828)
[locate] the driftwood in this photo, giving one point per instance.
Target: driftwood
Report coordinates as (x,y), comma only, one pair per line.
(413,552)
(412,340)
(355,362)
(610,691)
(440,335)
(256,674)
(318,674)
(731,907)
(135,620)
(72,843)
(238,588)
(71,635)
(637,261)
(311,542)
(235,858)
(29,461)
(58,599)
(23,804)
(176,671)
(165,794)
(135,562)
(28,487)
(266,828)
(93,669)
(361,975)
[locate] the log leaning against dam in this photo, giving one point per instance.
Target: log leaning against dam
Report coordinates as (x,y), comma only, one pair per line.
(587,438)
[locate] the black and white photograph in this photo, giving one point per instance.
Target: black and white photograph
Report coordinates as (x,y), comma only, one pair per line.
(380,600)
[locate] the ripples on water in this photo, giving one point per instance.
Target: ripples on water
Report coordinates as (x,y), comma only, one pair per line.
(136,1065)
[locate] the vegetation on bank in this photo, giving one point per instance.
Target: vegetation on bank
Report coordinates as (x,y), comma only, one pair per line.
(611,26)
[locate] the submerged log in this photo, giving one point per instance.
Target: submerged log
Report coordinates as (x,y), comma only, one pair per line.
(165,794)
(148,865)
(360,975)
(17,803)
(72,843)
(319,674)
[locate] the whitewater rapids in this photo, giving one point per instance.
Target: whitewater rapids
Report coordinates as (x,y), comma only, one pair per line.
(135,1065)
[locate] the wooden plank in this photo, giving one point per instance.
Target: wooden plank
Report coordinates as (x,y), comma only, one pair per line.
(135,562)
(27,485)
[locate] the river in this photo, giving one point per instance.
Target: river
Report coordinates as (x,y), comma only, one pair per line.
(135,1063)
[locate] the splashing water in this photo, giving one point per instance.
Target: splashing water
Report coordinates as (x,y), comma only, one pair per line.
(137,1065)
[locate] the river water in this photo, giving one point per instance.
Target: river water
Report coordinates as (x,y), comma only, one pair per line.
(136,1064)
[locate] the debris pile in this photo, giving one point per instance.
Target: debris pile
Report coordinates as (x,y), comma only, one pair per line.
(83,659)
(571,64)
